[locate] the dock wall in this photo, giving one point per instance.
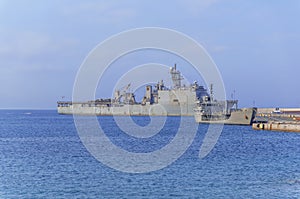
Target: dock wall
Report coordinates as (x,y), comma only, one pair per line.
(278,126)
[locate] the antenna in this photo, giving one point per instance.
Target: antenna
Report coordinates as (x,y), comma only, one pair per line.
(211,92)
(234,94)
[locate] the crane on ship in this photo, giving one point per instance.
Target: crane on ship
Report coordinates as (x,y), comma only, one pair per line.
(123,95)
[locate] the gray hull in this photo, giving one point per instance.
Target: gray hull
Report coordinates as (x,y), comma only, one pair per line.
(244,116)
(129,110)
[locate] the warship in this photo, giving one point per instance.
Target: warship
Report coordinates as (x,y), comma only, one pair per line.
(160,100)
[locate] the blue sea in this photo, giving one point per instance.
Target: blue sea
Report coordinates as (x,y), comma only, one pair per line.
(42,156)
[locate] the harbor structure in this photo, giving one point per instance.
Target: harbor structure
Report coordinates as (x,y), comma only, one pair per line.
(287,126)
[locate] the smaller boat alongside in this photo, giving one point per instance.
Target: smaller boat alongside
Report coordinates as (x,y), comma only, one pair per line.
(209,110)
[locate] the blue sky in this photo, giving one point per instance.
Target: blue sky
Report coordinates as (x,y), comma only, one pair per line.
(255,44)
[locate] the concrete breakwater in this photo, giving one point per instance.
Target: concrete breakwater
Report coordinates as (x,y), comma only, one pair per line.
(264,117)
(288,126)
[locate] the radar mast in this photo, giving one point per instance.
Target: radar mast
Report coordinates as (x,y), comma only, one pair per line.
(176,77)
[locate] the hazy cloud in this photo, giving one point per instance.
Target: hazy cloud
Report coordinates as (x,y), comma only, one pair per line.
(24,44)
(194,7)
(218,49)
(101,12)
(27,49)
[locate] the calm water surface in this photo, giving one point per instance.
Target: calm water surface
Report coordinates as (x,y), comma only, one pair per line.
(42,157)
